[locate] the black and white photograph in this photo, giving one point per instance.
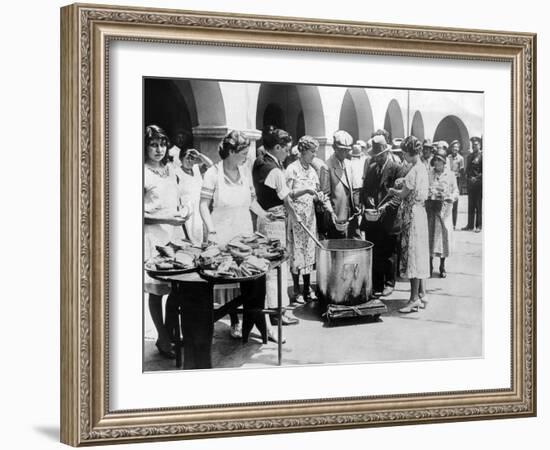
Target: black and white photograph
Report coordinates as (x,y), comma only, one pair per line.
(297,224)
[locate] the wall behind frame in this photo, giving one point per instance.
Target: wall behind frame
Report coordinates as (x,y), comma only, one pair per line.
(29,177)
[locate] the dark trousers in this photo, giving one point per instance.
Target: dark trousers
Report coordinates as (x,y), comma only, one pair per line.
(384,257)
(474,206)
(253,294)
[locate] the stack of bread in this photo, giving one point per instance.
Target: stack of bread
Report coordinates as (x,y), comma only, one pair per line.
(244,256)
(179,255)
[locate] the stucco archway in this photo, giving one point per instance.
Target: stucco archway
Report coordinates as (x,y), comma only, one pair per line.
(393,122)
(169,104)
(356,114)
(451,128)
(295,108)
(417,127)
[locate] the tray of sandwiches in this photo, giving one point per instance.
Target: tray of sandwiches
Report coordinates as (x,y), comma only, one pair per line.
(244,258)
(174,258)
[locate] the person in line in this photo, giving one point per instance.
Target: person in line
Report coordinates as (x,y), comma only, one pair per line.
(387,137)
(364,147)
(474,178)
(273,196)
(267,129)
(381,175)
(162,223)
(358,162)
(304,186)
(427,151)
(443,192)
(456,163)
(414,263)
(182,141)
(189,178)
(323,216)
(346,223)
(226,199)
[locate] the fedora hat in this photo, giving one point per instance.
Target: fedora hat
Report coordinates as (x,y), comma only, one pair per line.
(379,145)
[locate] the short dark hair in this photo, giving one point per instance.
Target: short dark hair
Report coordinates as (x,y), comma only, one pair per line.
(234,142)
(276,136)
(411,145)
(152,133)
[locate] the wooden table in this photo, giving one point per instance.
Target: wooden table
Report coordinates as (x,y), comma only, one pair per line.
(192,308)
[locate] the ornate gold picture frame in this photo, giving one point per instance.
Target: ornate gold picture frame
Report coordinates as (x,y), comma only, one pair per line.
(87,31)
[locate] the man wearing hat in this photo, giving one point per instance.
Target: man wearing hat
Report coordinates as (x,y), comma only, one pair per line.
(380,176)
(341,187)
(456,163)
(474,178)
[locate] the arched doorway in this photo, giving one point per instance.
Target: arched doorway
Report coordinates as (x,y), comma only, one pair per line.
(393,122)
(451,128)
(294,108)
(169,104)
(417,127)
(356,114)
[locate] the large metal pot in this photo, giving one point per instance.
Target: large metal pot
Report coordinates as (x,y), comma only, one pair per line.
(344,271)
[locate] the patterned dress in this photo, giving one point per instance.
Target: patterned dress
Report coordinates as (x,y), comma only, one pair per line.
(299,244)
(415,252)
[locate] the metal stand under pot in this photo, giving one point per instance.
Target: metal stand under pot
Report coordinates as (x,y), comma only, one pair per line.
(344,278)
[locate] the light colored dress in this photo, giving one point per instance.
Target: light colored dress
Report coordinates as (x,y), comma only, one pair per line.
(189,190)
(439,206)
(415,252)
(230,214)
(160,198)
(300,246)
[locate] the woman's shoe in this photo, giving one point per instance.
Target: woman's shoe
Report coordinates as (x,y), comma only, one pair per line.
(299,299)
(236,331)
(442,273)
(169,354)
(411,306)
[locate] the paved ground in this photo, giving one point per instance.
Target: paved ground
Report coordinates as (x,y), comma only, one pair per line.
(450,327)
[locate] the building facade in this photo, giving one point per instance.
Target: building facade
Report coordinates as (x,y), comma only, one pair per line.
(207,110)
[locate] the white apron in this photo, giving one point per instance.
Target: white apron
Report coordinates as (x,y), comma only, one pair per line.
(231,216)
(160,199)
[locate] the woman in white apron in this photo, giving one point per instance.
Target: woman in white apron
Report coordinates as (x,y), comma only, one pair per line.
(162,223)
(227,197)
(189,189)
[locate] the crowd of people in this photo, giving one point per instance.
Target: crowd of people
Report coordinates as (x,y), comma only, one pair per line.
(409,185)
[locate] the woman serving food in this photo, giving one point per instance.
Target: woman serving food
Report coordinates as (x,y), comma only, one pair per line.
(162,222)
(227,197)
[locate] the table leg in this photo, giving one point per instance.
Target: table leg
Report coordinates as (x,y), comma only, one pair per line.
(197,303)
